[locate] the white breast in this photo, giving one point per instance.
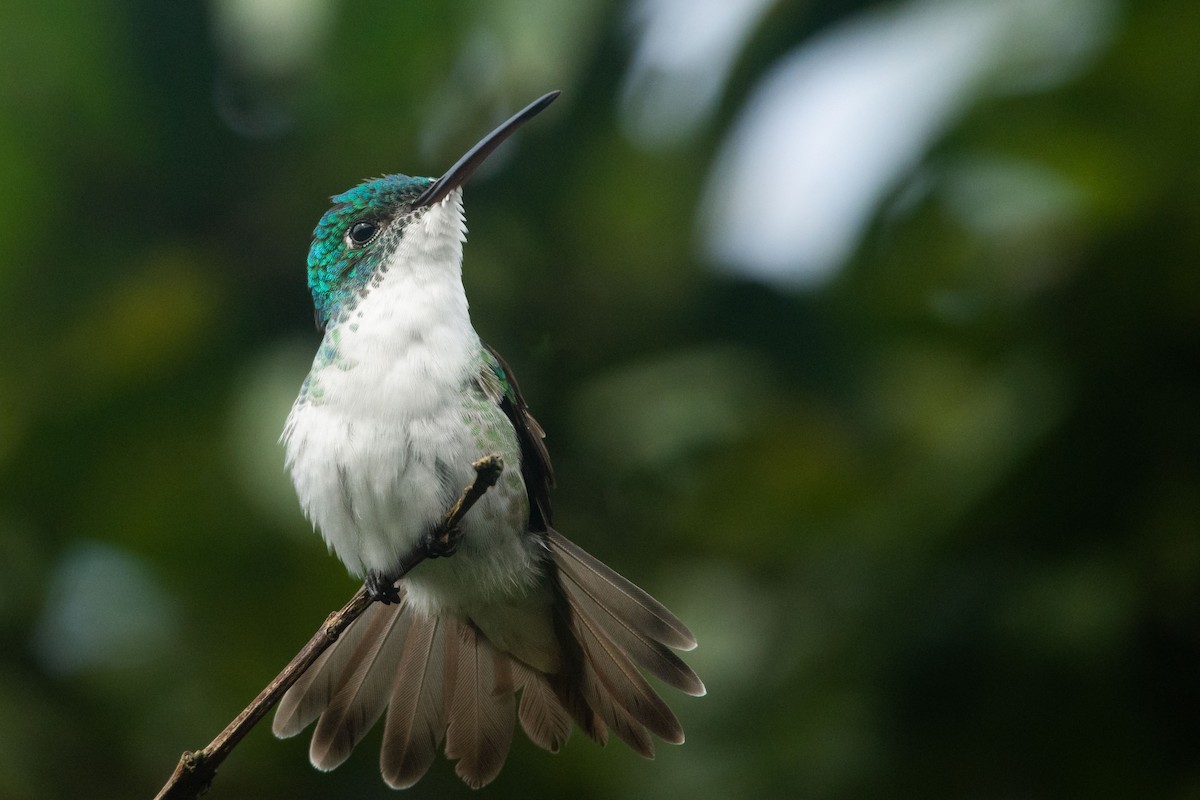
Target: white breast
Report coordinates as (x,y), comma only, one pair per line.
(381,441)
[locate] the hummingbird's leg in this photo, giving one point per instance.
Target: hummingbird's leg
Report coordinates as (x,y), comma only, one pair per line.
(442,542)
(439,541)
(382,587)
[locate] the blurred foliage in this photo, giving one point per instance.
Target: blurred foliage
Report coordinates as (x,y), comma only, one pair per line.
(933,515)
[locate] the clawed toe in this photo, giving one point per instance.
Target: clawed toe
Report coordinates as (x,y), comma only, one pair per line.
(382,588)
(438,542)
(441,543)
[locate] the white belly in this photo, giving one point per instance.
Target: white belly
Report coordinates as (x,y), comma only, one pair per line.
(374,489)
(381,441)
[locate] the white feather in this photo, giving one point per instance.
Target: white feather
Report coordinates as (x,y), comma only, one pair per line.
(387,418)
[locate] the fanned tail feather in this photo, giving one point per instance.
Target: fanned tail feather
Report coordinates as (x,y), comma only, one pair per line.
(542,716)
(624,684)
(481,721)
(647,653)
(363,693)
(310,695)
(416,717)
(623,600)
(440,677)
(613,716)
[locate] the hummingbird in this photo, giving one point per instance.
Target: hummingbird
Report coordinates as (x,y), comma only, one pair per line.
(520,624)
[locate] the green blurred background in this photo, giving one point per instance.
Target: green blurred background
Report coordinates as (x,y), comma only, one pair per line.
(867,337)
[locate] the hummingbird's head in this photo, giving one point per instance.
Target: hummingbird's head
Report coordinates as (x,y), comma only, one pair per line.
(354,238)
(357,236)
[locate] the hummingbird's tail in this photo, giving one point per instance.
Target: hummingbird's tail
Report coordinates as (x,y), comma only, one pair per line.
(614,627)
(439,676)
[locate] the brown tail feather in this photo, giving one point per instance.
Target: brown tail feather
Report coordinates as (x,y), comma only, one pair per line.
(568,691)
(502,665)
(480,721)
(644,651)
(543,718)
(622,680)
(310,695)
(440,676)
(614,717)
(623,599)
(416,717)
(363,694)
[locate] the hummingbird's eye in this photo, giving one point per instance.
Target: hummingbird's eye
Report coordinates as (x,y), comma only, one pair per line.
(362,231)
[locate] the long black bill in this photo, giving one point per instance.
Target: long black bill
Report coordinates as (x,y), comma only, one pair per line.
(457,175)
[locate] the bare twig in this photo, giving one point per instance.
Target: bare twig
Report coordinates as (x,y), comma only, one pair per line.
(196,769)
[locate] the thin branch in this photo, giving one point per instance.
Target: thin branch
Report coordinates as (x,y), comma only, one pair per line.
(196,769)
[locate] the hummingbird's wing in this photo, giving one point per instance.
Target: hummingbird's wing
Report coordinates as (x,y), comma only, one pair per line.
(498,380)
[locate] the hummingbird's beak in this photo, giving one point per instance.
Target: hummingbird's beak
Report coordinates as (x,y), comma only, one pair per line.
(458,174)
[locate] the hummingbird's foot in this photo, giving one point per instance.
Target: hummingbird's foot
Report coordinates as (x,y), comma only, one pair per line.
(382,588)
(442,542)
